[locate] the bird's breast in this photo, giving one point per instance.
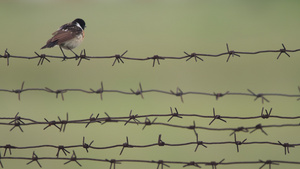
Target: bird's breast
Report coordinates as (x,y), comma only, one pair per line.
(73,43)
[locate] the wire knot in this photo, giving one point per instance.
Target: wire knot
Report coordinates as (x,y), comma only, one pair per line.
(73,158)
(267,115)
(259,127)
(192,163)
(126,145)
(214,164)
(132,117)
(259,95)
(216,117)
(63,122)
(92,120)
(156,57)
(119,58)
(283,51)
(148,122)
(178,93)
(62,148)
(238,143)
(81,56)
(42,58)
(243,129)
(286,147)
(231,53)
(99,91)
(160,142)
(34,158)
(113,163)
(51,123)
(139,91)
(57,92)
(162,164)
(175,114)
(218,95)
(16,122)
(8,147)
(85,145)
(7,56)
(193,55)
(269,162)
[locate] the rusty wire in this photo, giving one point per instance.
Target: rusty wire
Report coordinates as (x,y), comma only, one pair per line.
(156,58)
(140,91)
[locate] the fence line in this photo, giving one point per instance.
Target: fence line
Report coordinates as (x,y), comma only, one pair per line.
(140,91)
(159,163)
(156,58)
(18,122)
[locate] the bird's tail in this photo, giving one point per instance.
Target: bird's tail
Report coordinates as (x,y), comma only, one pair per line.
(50,44)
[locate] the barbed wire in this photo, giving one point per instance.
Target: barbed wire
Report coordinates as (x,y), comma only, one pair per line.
(159,143)
(156,58)
(19,121)
(140,91)
(159,163)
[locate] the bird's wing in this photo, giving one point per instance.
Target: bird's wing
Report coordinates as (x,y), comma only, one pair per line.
(62,36)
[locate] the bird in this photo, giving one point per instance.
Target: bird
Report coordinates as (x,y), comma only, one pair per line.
(68,36)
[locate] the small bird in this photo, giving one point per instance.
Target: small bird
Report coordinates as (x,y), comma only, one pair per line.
(68,36)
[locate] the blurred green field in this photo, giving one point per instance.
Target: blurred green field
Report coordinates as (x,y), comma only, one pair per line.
(147,28)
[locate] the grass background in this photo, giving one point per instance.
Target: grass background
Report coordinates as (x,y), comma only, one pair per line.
(146,28)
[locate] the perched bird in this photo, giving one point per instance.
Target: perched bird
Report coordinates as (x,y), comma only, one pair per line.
(68,36)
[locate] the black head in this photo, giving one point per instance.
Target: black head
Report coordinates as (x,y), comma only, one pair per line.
(80,22)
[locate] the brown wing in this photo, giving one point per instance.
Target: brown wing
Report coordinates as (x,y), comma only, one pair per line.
(62,36)
(59,37)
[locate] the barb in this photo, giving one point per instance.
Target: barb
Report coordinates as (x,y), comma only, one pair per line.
(214,164)
(198,142)
(132,117)
(231,53)
(283,51)
(42,58)
(178,93)
(85,145)
(140,91)
(62,148)
(73,158)
(93,120)
(216,117)
(260,95)
(119,58)
(238,143)
(175,114)
(63,123)
(126,145)
(269,162)
(286,147)
(34,158)
(17,122)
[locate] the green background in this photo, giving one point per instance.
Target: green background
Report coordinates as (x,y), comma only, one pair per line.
(146,28)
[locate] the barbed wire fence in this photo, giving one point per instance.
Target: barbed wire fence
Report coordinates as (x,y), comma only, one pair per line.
(60,124)
(18,121)
(178,92)
(156,58)
(148,120)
